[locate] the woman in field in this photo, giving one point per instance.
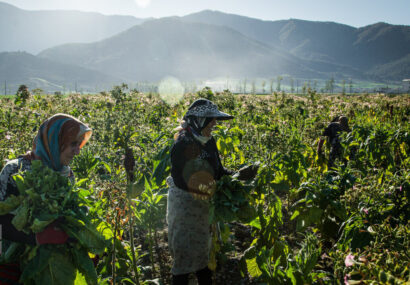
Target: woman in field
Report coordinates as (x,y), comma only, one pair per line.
(196,167)
(58,140)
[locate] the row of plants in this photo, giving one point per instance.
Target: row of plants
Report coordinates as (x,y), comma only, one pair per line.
(306,223)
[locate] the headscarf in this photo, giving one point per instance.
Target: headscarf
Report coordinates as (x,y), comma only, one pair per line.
(199,115)
(344,122)
(53,136)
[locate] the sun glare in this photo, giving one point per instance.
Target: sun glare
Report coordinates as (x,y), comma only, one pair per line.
(143,3)
(171,90)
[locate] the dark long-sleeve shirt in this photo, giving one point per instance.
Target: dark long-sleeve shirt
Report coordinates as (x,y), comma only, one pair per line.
(194,164)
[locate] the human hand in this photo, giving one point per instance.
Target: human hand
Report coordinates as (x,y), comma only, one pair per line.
(51,235)
(248,172)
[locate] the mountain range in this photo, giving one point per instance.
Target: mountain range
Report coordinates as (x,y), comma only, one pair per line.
(34,31)
(23,68)
(204,45)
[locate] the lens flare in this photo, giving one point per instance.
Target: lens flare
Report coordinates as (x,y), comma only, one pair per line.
(171,90)
(143,3)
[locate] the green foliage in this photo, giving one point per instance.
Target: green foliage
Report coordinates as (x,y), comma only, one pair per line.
(22,95)
(308,218)
(231,202)
(206,93)
(118,94)
(48,197)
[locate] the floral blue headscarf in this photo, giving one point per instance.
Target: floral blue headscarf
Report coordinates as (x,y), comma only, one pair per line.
(55,134)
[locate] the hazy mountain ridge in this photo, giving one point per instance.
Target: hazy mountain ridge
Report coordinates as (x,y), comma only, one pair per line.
(20,67)
(362,48)
(170,47)
(205,45)
(33,31)
(398,69)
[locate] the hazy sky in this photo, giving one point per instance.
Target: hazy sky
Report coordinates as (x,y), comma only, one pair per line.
(356,13)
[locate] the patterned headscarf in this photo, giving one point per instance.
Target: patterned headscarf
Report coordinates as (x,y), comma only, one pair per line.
(54,135)
(206,109)
(201,113)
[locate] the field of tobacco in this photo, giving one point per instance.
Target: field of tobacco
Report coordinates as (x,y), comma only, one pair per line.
(297,222)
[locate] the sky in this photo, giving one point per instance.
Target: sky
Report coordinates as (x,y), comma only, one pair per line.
(356,13)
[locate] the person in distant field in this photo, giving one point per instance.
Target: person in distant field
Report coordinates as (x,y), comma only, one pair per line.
(196,167)
(338,125)
(58,140)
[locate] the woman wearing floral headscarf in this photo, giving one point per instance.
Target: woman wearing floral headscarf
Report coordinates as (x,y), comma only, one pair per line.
(58,140)
(196,167)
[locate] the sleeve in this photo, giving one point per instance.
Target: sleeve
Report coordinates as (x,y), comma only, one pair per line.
(328,131)
(224,170)
(7,185)
(178,163)
(7,188)
(12,234)
(221,169)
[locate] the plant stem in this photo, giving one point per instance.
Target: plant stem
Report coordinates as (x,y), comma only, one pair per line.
(134,260)
(113,251)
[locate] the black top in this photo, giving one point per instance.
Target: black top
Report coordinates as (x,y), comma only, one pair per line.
(333,130)
(194,164)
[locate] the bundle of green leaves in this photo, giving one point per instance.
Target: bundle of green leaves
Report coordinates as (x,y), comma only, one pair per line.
(47,197)
(232,201)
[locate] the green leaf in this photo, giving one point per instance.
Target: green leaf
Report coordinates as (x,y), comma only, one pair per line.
(20,183)
(39,225)
(106,166)
(21,216)
(10,204)
(85,265)
(295,214)
(80,279)
(256,223)
(37,264)
(58,271)
(105,230)
(253,267)
(87,236)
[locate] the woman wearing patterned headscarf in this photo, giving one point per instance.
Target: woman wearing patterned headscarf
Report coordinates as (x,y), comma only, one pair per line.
(58,140)
(196,167)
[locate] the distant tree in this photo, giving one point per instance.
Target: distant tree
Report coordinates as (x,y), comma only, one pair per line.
(244,86)
(350,86)
(239,87)
(304,88)
(292,85)
(279,79)
(253,87)
(271,85)
(315,85)
(343,87)
(37,91)
(263,86)
(332,84)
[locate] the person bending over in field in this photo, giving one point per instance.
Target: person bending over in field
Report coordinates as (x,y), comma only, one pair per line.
(58,140)
(195,168)
(338,125)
